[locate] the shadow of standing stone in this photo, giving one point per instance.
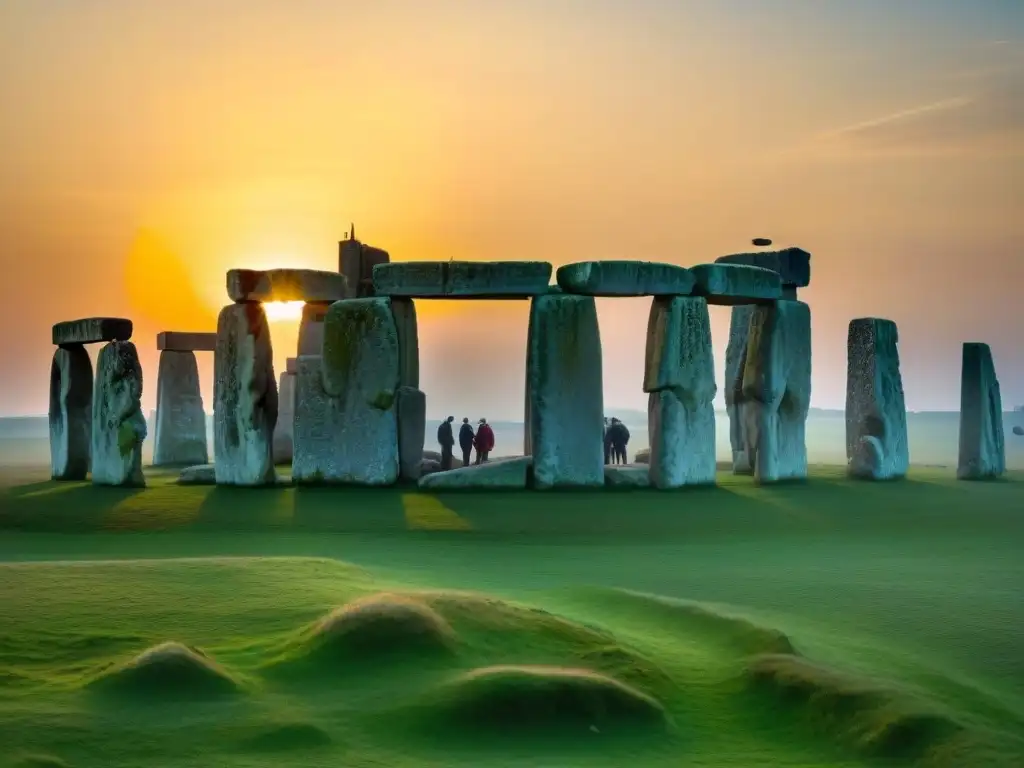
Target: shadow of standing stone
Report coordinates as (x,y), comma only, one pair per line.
(70,413)
(118,426)
(982,444)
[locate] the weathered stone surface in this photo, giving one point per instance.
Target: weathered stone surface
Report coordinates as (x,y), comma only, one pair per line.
(356,261)
(346,424)
(498,474)
(118,426)
(92,330)
(311,329)
(680,377)
(360,350)
(245,397)
(404,311)
(291,365)
(429,466)
(282,447)
(70,413)
(627,476)
(792,264)
(732,284)
(643,456)
(982,446)
(411,411)
(777,391)
(436,456)
(180,432)
(876,413)
(285,285)
(180,341)
(564,386)
(203,474)
(462,279)
(625,278)
(735,361)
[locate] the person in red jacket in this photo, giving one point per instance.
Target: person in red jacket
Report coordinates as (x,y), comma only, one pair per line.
(484,441)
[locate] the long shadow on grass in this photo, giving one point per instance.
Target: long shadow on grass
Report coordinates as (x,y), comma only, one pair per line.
(63,507)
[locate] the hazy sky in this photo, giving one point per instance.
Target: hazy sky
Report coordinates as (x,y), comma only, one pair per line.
(146,147)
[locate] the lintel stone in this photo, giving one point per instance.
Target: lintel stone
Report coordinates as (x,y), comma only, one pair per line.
(462,279)
(732,284)
(309,285)
(625,278)
(179,341)
(92,330)
(792,264)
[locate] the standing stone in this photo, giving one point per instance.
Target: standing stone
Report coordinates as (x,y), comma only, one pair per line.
(680,377)
(735,361)
(283,446)
(346,425)
(564,386)
(777,390)
(118,426)
(982,447)
(180,421)
(411,406)
(404,311)
(876,413)
(70,413)
(245,397)
(311,329)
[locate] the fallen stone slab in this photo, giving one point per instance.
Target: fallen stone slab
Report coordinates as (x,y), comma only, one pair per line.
(982,444)
(792,264)
(436,456)
(1018,430)
(180,432)
(622,476)
(118,426)
(777,391)
(185,341)
(92,330)
(70,415)
(346,422)
(735,362)
(732,284)
(245,397)
(504,474)
(411,411)
(462,279)
(310,285)
(203,474)
(625,278)
(680,377)
(283,441)
(643,456)
(877,447)
(565,413)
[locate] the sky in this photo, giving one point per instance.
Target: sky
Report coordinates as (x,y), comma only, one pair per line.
(146,148)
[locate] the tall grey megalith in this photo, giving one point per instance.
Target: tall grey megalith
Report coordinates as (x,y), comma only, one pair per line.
(680,377)
(982,447)
(118,426)
(180,431)
(565,408)
(876,413)
(283,446)
(777,390)
(245,397)
(735,362)
(70,413)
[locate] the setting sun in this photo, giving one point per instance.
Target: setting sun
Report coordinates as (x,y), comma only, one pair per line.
(283,310)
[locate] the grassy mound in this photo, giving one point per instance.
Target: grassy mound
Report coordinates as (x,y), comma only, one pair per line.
(511,700)
(373,627)
(287,738)
(167,670)
(877,721)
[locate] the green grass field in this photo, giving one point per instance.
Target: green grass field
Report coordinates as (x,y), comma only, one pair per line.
(821,624)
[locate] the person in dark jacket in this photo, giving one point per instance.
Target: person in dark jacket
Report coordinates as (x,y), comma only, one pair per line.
(447,442)
(607,443)
(484,441)
(618,434)
(466,441)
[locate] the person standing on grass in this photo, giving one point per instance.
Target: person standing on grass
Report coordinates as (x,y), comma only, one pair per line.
(466,437)
(606,437)
(484,441)
(618,436)
(447,441)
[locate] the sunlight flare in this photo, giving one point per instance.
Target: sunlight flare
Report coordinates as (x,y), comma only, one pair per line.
(283,310)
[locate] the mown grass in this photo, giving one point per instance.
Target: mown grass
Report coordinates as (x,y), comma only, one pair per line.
(822,624)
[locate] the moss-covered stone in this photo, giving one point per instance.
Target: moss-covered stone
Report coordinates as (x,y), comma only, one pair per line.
(118,426)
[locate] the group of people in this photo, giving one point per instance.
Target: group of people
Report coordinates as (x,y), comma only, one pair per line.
(482,440)
(616,438)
